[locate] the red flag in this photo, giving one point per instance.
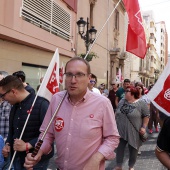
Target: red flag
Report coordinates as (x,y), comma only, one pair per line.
(50,83)
(136,41)
(160,92)
(163,98)
(61,73)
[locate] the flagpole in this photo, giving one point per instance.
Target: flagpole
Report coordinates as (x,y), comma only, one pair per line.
(38,145)
(101,30)
(29,113)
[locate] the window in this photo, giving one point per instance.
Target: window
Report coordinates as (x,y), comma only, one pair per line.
(116,20)
(91,14)
(33,74)
(115,42)
(47,15)
(152,58)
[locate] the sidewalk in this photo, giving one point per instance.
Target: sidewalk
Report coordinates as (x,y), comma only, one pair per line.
(145,161)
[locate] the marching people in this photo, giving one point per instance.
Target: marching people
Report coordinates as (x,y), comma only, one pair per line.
(92,83)
(84,128)
(101,89)
(142,96)
(22,77)
(13,91)
(106,91)
(112,94)
(154,117)
(5,108)
(120,93)
(132,116)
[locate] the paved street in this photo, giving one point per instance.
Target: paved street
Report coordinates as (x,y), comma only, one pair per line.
(145,161)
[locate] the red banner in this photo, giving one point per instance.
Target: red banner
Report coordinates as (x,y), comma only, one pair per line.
(136,41)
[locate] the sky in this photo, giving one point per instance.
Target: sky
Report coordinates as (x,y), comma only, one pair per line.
(161,9)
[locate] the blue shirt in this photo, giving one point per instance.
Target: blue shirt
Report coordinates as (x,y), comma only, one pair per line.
(1,156)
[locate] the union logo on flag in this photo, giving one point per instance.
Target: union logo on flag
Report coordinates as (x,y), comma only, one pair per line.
(163,98)
(52,84)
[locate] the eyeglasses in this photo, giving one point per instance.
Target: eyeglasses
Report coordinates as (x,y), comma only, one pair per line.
(93,81)
(71,75)
(112,84)
(3,95)
(127,91)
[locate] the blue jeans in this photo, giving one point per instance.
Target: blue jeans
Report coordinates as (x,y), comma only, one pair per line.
(42,165)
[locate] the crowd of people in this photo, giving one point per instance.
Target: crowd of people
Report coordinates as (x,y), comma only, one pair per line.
(92,125)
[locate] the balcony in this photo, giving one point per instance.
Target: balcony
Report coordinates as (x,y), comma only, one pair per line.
(152,30)
(152,64)
(152,42)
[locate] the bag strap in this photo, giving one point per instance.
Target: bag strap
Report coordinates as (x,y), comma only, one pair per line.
(130,120)
(132,123)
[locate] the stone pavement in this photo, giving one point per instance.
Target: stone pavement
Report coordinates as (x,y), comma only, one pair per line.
(145,161)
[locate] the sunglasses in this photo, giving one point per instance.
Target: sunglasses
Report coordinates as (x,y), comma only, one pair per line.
(112,84)
(93,81)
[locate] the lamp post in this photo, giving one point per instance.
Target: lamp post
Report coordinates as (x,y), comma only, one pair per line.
(156,72)
(89,36)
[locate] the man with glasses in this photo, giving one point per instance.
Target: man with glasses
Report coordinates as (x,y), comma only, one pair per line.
(13,91)
(84,128)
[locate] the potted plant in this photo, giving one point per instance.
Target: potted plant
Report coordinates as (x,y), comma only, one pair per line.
(89,56)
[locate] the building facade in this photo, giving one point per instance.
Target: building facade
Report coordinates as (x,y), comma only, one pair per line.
(30,32)
(109,46)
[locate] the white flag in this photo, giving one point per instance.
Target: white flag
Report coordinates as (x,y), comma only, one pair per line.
(50,83)
(160,92)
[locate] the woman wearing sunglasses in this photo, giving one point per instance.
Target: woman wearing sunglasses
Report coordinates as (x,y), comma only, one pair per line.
(132,116)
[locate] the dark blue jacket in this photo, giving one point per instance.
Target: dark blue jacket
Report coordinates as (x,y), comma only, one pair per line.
(29,89)
(18,116)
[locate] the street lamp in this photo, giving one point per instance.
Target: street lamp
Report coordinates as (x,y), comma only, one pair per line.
(156,74)
(90,35)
